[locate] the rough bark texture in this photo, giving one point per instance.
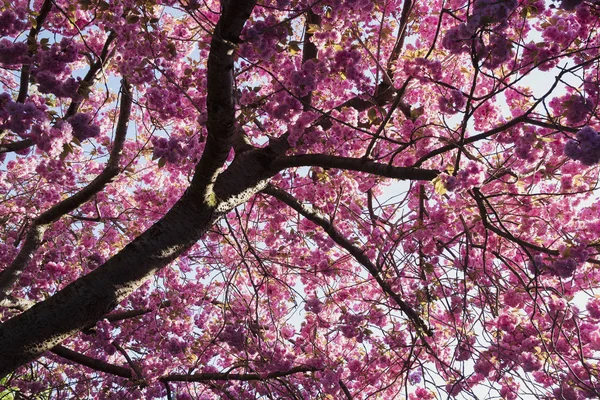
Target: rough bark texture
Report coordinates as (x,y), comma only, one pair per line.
(42,327)
(212,193)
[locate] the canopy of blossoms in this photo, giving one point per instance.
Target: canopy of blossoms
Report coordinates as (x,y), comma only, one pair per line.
(299,199)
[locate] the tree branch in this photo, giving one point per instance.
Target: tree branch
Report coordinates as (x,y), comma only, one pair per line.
(132,364)
(236,377)
(92,363)
(31,41)
(356,252)
(345,390)
(15,146)
(36,231)
(354,164)
(309,50)
(124,372)
(25,337)
(220,101)
(88,79)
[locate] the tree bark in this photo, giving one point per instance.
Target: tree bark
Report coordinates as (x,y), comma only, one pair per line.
(83,302)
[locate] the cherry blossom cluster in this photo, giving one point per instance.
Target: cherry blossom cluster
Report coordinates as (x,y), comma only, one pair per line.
(562,30)
(465,37)
(348,61)
(52,64)
(524,145)
(585,148)
(575,107)
(469,176)
(164,102)
(82,125)
(570,4)
(234,335)
(542,56)
(12,21)
(261,39)
(47,136)
(453,102)
(424,69)
(19,117)
(12,53)
(173,150)
(49,83)
(564,266)
(304,81)
(313,305)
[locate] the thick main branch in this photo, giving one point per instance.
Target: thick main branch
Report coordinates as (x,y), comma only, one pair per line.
(355,164)
(83,302)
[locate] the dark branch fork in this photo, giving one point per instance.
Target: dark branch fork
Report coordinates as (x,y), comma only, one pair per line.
(212,193)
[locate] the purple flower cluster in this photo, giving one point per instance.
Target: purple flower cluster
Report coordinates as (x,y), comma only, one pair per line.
(570,4)
(56,58)
(43,135)
(452,103)
(303,82)
(422,68)
(167,103)
(577,108)
(464,37)
(529,362)
(460,39)
(352,326)
(563,267)
(11,21)
(261,38)
(593,307)
(282,103)
(47,83)
(469,176)
(348,61)
(13,53)
(586,147)
(463,351)
(362,5)
(52,63)
(82,126)
(543,56)
(524,145)
(498,50)
(172,150)
(176,346)
(313,305)
(18,117)
(234,336)
(491,11)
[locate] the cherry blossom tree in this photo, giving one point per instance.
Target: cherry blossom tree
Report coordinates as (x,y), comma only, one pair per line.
(299,199)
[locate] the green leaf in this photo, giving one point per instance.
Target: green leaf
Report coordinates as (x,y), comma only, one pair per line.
(67,149)
(132,19)
(439,186)
(372,115)
(313,28)
(294,47)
